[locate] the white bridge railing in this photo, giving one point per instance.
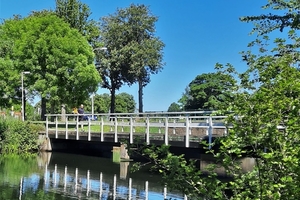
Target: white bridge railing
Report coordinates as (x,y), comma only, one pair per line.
(186,125)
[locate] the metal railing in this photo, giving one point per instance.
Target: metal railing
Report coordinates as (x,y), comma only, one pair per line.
(165,124)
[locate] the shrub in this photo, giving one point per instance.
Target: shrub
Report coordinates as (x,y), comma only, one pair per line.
(18,136)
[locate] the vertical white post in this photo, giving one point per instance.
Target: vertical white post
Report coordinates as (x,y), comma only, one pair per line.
(89,129)
(76,180)
(131,131)
(88,183)
(147,130)
(115,187)
(67,124)
(165,192)
(65,178)
(22,90)
(21,188)
(77,127)
(55,175)
(146,190)
(129,188)
(102,130)
(56,127)
(47,127)
(210,132)
(187,134)
(100,189)
(116,130)
(166,131)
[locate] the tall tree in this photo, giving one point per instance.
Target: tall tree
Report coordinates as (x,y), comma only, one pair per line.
(59,58)
(9,77)
(77,14)
(133,52)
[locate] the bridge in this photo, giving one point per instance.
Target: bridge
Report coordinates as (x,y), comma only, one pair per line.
(183,131)
(170,128)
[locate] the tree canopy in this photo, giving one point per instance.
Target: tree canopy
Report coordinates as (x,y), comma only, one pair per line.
(208,91)
(77,15)
(59,59)
(124,103)
(133,52)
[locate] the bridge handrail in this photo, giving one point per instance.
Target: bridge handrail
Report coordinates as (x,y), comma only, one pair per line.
(167,120)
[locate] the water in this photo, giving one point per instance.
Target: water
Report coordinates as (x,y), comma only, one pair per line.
(59,176)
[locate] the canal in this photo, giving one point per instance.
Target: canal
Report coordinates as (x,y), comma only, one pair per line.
(61,176)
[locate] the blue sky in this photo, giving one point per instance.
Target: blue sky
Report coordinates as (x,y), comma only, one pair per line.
(197,35)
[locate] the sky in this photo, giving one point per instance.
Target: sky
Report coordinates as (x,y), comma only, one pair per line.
(197,34)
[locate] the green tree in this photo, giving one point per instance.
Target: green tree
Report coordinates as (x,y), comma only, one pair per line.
(77,14)
(133,52)
(174,107)
(125,103)
(263,119)
(59,58)
(209,91)
(9,77)
(266,23)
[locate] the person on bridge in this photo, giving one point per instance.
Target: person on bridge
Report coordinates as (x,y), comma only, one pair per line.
(81,112)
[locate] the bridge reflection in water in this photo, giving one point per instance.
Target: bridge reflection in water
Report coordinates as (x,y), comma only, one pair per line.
(86,177)
(71,176)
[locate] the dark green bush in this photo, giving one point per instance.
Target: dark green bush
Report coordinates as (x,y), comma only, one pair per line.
(18,136)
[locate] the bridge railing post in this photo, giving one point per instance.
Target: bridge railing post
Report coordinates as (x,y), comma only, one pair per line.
(66,127)
(147,130)
(166,131)
(102,130)
(187,131)
(56,127)
(47,126)
(116,129)
(210,132)
(77,127)
(131,130)
(89,129)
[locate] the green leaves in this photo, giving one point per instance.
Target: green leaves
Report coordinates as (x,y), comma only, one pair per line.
(133,52)
(210,91)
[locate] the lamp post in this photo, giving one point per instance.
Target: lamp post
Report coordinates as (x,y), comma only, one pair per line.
(22,90)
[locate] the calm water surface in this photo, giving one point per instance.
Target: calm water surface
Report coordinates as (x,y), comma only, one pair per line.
(59,176)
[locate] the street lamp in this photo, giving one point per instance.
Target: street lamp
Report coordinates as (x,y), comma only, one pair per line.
(22,90)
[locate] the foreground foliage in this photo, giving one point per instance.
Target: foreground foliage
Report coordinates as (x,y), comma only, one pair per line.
(264,123)
(17,136)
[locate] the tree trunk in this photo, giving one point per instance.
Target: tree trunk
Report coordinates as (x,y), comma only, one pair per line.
(140,96)
(43,107)
(112,100)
